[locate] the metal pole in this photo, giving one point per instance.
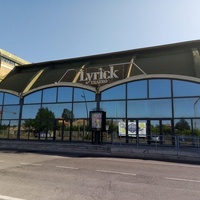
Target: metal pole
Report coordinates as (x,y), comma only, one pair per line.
(83,96)
(65,74)
(195,122)
(86,107)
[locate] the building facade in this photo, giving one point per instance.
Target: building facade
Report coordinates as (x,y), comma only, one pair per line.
(8,62)
(149,95)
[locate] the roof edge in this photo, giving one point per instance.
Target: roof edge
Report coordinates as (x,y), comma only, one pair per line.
(13,57)
(172,45)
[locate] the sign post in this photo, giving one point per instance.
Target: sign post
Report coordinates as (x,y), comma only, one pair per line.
(97,124)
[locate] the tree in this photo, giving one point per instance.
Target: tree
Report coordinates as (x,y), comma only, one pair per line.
(67,114)
(182,125)
(44,120)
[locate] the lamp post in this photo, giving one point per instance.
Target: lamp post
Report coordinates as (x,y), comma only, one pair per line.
(195,122)
(83,96)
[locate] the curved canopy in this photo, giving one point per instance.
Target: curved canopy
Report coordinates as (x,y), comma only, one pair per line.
(99,70)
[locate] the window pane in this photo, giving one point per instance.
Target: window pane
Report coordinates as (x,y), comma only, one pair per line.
(1,98)
(83,95)
(10,112)
(137,89)
(64,94)
(183,126)
(159,88)
(196,125)
(58,109)
(79,109)
(13,128)
(30,111)
(33,97)
(114,109)
(186,107)
(49,95)
(9,129)
(184,88)
(117,92)
(149,108)
(11,99)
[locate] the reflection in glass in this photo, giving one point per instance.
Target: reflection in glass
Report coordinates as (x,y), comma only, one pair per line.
(185,107)
(155,127)
(108,133)
(10,112)
(58,109)
(64,94)
(166,127)
(83,95)
(137,89)
(80,109)
(149,108)
(9,129)
(196,127)
(117,92)
(183,127)
(66,130)
(114,109)
(10,99)
(27,130)
(13,129)
(159,88)
(184,88)
(49,95)
(30,111)
(78,130)
(1,98)
(4,130)
(35,97)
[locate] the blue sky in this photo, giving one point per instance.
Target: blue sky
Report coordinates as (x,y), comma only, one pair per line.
(43,30)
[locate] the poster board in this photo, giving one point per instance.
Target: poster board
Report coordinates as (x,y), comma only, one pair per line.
(131,129)
(97,120)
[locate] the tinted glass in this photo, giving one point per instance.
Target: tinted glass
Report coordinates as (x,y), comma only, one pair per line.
(80,109)
(10,112)
(117,92)
(30,111)
(83,95)
(149,108)
(11,99)
(186,107)
(1,98)
(58,109)
(137,89)
(184,88)
(114,109)
(49,95)
(159,88)
(64,94)
(196,124)
(33,97)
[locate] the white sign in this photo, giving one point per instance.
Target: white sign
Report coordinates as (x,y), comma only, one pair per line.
(98,77)
(132,129)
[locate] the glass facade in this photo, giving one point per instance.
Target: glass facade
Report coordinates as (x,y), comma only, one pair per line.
(135,111)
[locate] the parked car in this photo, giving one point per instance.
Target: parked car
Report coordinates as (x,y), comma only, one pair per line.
(155,138)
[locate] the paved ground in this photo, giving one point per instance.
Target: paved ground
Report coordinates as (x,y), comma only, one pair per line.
(30,176)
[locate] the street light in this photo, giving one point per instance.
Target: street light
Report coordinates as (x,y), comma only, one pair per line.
(83,96)
(195,122)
